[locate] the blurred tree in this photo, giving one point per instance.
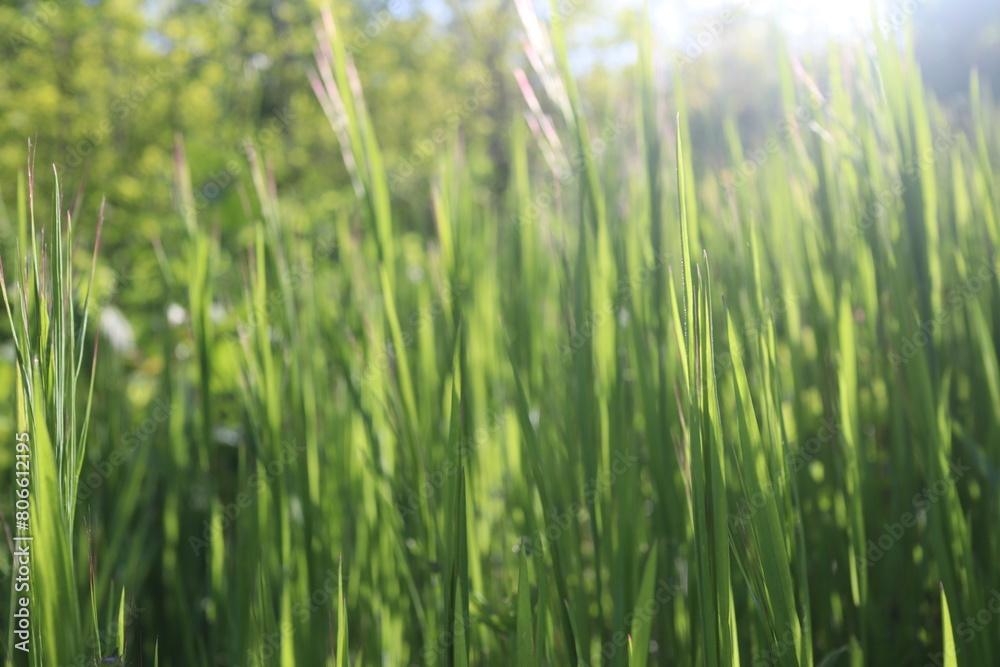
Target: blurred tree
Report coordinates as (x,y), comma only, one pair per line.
(102,87)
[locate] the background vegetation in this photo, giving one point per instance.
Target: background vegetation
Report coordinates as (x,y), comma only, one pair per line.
(416,334)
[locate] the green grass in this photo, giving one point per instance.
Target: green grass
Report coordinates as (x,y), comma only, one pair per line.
(641,418)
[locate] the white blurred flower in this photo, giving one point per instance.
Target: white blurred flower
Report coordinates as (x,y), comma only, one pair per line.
(226,436)
(217,312)
(295,509)
(414,272)
(259,62)
(176,315)
(117,329)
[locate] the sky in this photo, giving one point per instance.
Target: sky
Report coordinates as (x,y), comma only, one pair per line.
(801,17)
(678,21)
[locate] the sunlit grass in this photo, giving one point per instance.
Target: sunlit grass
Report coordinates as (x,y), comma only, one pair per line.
(631,414)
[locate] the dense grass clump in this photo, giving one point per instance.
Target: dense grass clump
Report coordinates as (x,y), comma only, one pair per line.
(630,414)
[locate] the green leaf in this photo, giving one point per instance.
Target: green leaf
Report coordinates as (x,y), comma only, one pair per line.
(525,646)
(642,623)
(950,652)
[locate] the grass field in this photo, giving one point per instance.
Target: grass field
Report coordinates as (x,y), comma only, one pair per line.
(628,415)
